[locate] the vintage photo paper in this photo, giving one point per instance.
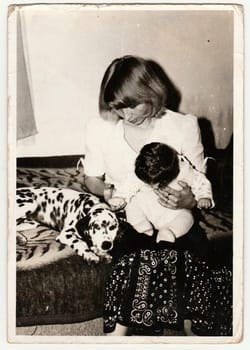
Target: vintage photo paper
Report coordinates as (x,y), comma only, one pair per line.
(57,57)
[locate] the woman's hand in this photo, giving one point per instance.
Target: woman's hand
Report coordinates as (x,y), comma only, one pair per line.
(174,199)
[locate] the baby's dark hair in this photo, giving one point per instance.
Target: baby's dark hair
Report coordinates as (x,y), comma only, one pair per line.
(157,163)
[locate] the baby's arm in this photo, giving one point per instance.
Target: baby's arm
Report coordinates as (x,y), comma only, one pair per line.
(202,190)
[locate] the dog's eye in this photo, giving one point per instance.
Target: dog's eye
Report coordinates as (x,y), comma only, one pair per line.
(96,227)
(112,227)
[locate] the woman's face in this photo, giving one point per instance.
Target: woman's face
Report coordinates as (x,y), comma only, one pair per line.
(138,114)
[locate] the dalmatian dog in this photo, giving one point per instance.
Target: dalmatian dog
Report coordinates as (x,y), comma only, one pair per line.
(86,224)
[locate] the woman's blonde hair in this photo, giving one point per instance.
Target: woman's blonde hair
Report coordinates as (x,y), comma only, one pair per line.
(129,81)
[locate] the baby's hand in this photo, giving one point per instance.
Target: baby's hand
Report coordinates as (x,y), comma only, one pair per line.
(117,203)
(204,203)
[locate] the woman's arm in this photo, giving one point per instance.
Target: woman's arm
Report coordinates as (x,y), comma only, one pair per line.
(94,160)
(96,185)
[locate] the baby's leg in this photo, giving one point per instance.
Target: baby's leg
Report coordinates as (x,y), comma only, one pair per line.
(182,223)
(177,227)
(165,234)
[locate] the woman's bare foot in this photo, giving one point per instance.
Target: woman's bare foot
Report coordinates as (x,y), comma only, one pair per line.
(187,328)
(118,331)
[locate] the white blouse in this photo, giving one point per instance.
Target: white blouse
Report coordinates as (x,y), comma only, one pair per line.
(107,151)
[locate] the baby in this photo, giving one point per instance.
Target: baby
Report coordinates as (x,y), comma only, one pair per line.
(158,166)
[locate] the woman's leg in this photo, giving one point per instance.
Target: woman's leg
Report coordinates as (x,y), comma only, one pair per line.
(118,331)
(208,298)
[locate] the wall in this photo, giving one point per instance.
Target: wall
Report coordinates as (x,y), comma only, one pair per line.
(67,50)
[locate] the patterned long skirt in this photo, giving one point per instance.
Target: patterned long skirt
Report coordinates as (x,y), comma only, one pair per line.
(150,290)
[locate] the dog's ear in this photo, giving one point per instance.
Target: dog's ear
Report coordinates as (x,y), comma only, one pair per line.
(83,224)
(82,227)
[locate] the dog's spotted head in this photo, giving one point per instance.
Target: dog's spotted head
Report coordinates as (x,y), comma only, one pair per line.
(99,229)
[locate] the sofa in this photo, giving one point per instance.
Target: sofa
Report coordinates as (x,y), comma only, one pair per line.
(53,284)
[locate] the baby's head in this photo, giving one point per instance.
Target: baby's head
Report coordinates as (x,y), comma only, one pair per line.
(157,164)
(130,81)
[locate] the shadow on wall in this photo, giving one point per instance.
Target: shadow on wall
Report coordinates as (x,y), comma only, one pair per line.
(220,168)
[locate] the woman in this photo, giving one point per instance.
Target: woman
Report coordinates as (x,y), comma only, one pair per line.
(160,287)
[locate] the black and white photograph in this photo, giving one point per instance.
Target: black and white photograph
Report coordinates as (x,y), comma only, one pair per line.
(125,127)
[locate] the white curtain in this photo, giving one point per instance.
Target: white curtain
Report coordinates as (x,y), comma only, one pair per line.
(26,125)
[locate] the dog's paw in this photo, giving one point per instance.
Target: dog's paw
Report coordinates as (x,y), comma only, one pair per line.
(106,258)
(90,257)
(61,238)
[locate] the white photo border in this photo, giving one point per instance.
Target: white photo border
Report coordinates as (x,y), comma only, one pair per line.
(238,193)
